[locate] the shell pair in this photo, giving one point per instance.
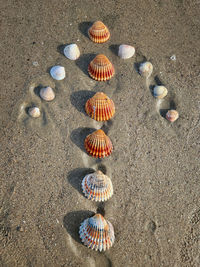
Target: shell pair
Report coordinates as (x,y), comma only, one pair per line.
(97,233)
(97,186)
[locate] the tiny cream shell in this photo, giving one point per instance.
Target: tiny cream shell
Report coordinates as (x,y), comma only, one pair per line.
(47,93)
(57,73)
(146,69)
(160,91)
(172,115)
(126,51)
(34,112)
(72,51)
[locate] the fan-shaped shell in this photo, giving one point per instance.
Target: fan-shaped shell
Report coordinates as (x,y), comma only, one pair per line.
(172,115)
(72,51)
(57,73)
(160,91)
(98,144)
(101,69)
(98,32)
(97,233)
(100,107)
(146,69)
(47,93)
(97,186)
(34,112)
(126,51)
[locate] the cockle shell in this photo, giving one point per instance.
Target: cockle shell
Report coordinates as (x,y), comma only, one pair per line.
(97,186)
(160,91)
(172,115)
(126,51)
(97,233)
(98,32)
(101,69)
(100,107)
(57,73)
(98,144)
(146,69)
(34,112)
(72,51)
(47,93)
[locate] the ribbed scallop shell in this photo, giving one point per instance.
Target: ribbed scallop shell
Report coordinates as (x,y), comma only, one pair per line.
(98,144)
(97,186)
(172,115)
(97,233)
(101,69)
(100,107)
(98,32)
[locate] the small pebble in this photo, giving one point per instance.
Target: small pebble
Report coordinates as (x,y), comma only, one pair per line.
(34,112)
(47,93)
(35,63)
(173,57)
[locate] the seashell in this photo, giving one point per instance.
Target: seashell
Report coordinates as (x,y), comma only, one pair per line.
(101,69)
(100,107)
(97,186)
(160,91)
(98,144)
(97,233)
(34,112)
(47,93)
(98,32)
(57,73)
(146,69)
(126,51)
(72,51)
(172,115)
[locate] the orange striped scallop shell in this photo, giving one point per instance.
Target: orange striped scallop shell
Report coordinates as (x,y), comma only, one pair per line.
(101,69)
(100,107)
(98,32)
(98,144)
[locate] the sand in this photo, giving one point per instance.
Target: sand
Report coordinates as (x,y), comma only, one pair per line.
(155,209)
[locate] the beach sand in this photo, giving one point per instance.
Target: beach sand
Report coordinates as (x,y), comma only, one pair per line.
(155,209)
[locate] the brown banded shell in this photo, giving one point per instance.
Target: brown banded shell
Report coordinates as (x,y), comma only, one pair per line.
(100,107)
(172,115)
(98,32)
(98,144)
(101,69)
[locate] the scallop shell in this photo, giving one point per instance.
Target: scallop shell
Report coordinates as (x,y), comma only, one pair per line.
(98,144)
(72,51)
(101,69)
(57,73)
(97,186)
(126,51)
(146,69)
(100,107)
(98,32)
(172,115)
(47,93)
(160,91)
(97,233)
(34,112)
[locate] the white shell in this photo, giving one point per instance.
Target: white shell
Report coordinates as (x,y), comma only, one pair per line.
(160,91)
(146,69)
(126,51)
(34,112)
(72,51)
(47,93)
(57,73)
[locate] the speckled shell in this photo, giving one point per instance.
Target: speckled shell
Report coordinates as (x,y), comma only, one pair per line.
(101,69)
(97,186)
(98,32)
(97,233)
(57,73)
(146,69)
(100,107)
(98,144)
(72,51)
(126,51)
(160,91)
(172,115)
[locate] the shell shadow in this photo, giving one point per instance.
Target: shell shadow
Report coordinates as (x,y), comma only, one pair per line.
(78,100)
(78,136)
(76,176)
(72,221)
(139,60)
(106,126)
(114,49)
(83,61)
(172,105)
(37,90)
(60,49)
(84,26)
(158,80)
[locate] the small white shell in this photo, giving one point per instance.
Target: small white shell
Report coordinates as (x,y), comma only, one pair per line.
(160,91)
(146,69)
(72,51)
(47,93)
(57,73)
(126,51)
(34,112)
